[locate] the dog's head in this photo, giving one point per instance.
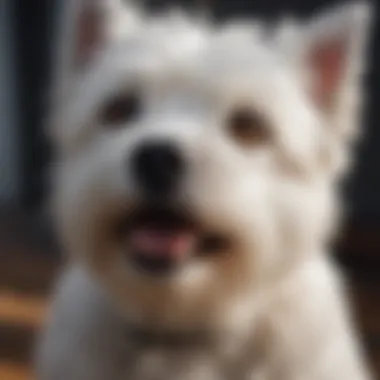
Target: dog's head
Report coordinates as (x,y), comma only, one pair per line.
(197,163)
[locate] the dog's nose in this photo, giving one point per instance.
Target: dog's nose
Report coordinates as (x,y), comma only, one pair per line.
(157,167)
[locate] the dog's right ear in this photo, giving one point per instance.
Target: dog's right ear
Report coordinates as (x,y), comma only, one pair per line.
(85,27)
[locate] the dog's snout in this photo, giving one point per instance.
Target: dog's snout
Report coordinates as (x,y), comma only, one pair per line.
(158,167)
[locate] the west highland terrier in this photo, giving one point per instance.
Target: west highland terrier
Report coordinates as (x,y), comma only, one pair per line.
(195,191)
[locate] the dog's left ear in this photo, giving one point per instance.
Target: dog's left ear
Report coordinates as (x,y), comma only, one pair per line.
(329,52)
(333,51)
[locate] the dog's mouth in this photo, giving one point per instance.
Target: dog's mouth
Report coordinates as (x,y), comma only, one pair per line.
(159,240)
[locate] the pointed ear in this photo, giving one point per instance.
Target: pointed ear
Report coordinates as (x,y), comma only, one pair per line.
(79,35)
(85,27)
(89,33)
(334,54)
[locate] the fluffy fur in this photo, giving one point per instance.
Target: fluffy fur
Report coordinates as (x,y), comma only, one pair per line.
(273,304)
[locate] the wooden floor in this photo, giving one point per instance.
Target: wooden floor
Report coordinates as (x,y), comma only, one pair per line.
(29,261)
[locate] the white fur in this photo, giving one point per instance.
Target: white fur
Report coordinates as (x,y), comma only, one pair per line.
(275,302)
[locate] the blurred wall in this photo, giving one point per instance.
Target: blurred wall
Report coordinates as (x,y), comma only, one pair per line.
(33,25)
(10,158)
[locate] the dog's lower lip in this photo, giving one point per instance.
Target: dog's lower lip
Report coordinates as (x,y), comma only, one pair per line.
(153,266)
(212,243)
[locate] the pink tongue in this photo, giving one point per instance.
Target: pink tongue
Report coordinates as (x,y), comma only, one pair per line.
(161,243)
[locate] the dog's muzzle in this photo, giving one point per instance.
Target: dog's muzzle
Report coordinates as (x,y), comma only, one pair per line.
(159,235)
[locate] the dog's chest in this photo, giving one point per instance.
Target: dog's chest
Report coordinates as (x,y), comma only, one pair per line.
(185,361)
(184,364)
(161,364)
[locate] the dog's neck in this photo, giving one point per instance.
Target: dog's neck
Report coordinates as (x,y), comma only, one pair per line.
(147,336)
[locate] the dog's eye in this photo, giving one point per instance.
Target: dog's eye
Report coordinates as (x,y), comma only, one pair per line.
(248,127)
(120,109)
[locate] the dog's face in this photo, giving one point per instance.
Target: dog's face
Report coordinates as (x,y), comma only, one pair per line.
(198,164)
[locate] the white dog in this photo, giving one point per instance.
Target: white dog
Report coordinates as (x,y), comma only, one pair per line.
(195,191)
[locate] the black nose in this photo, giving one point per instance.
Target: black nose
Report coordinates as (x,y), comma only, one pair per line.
(157,167)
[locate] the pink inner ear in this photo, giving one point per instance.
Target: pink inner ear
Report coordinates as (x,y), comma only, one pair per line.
(327,63)
(88,35)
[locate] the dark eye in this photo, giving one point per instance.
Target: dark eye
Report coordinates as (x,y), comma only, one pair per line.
(247,126)
(120,109)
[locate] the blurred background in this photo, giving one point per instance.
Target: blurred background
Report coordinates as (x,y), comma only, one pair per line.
(29,257)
